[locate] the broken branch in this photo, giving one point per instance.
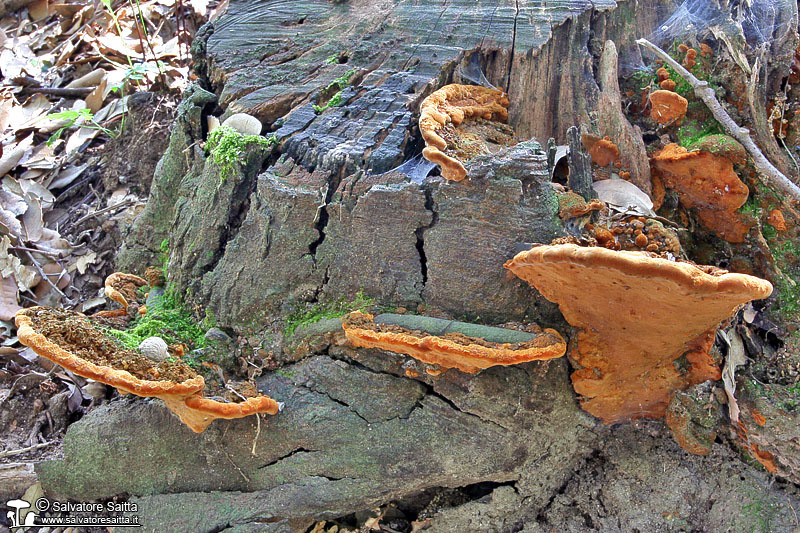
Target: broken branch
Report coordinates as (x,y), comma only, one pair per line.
(702,90)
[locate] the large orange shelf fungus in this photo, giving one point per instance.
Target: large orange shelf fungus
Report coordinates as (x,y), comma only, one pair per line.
(637,316)
(90,343)
(707,183)
(122,287)
(451,350)
(198,412)
(451,105)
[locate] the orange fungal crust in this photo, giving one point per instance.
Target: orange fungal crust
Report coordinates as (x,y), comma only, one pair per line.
(667,107)
(707,183)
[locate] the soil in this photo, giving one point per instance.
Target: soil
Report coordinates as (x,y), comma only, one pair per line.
(234,392)
(475,137)
(75,333)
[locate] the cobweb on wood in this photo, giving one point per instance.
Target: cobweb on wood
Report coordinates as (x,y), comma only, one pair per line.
(761,21)
(473,72)
(417,168)
(756,22)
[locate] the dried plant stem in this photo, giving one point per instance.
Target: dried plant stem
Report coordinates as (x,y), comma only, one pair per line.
(703,91)
(20,451)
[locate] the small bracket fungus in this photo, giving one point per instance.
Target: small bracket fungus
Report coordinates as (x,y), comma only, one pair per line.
(636,317)
(667,107)
(198,412)
(243,123)
(451,349)
(449,106)
(122,287)
(707,183)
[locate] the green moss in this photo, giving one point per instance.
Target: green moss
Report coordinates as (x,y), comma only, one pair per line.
(691,132)
(787,289)
(760,513)
(339,83)
(322,311)
(335,100)
(752,207)
(644,78)
(227,146)
(169,319)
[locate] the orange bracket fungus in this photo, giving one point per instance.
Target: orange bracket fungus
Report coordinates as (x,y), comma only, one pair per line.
(708,183)
(637,317)
(70,339)
(447,108)
(450,348)
(667,107)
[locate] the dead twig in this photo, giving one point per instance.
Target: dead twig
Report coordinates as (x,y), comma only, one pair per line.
(258,432)
(47,279)
(20,451)
(58,91)
(99,212)
(703,91)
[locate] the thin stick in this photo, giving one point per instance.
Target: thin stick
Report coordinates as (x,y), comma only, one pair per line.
(99,212)
(43,252)
(20,451)
(258,432)
(47,278)
(703,91)
(57,91)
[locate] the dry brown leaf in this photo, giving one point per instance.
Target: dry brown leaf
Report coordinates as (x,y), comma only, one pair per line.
(39,9)
(67,176)
(78,138)
(44,292)
(736,357)
(6,105)
(9,223)
(27,114)
(66,10)
(8,298)
(123,48)
(112,110)
(200,6)
(13,154)
(32,219)
(83,261)
(13,203)
(37,190)
(42,157)
(95,99)
(10,265)
(92,79)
